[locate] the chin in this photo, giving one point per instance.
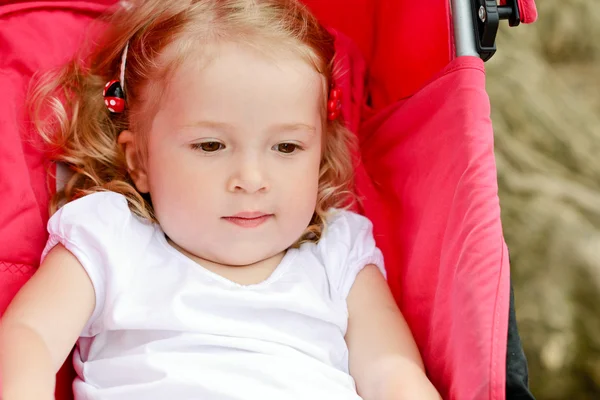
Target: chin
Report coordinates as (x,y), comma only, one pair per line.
(241,257)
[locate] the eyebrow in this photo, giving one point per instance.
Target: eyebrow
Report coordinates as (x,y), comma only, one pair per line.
(293,127)
(223,126)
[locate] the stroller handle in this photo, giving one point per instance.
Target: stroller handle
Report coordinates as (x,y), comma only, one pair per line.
(476,23)
(464,37)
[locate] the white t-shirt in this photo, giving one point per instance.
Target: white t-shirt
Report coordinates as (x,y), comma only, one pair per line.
(166,328)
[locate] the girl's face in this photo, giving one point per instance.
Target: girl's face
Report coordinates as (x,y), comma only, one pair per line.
(233,155)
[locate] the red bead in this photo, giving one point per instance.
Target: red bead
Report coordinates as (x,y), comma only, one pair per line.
(332,115)
(334,103)
(114,104)
(336,94)
(331,105)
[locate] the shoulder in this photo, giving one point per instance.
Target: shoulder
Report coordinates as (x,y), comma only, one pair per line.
(337,217)
(98,203)
(346,247)
(104,235)
(99,207)
(103,215)
(346,226)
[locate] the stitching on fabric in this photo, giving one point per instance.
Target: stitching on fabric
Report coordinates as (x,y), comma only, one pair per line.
(495,385)
(16,269)
(494,333)
(459,67)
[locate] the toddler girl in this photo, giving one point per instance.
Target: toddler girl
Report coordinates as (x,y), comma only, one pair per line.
(201,249)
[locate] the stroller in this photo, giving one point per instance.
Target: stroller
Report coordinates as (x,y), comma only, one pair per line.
(414,94)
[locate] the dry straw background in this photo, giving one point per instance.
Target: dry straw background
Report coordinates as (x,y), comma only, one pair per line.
(544,85)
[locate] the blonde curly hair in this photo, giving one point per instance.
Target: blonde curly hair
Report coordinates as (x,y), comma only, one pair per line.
(82,133)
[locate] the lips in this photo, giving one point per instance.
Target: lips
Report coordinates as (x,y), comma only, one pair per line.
(251,219)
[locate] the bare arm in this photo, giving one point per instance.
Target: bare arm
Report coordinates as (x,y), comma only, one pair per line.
(384,359)
(42,324)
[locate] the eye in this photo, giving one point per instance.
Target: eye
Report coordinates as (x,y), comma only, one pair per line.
(209,147)
(287,148)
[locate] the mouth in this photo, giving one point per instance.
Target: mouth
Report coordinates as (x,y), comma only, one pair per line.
(248,219)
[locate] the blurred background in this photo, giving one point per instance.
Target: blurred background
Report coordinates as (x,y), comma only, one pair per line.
(544,85)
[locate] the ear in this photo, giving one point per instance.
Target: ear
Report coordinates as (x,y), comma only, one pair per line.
(135,167)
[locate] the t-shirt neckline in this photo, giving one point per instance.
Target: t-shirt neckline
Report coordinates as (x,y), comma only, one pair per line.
(283,265)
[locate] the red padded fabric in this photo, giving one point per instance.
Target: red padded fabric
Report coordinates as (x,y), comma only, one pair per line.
(437,218)
(33,36)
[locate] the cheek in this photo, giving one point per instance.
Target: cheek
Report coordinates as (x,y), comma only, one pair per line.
(164,169)
(181,182)
(301,186)
(169,178)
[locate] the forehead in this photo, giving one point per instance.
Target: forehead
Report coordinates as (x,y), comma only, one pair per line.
(239,85)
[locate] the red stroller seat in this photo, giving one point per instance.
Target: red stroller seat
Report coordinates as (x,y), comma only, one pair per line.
(426,170)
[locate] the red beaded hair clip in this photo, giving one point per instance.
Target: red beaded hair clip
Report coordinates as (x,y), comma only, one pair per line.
(114,99)
(114,90)
(334,104)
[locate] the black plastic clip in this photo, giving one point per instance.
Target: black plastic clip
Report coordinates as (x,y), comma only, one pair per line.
(486,19)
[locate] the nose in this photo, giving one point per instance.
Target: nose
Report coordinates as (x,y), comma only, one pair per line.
(248,176)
